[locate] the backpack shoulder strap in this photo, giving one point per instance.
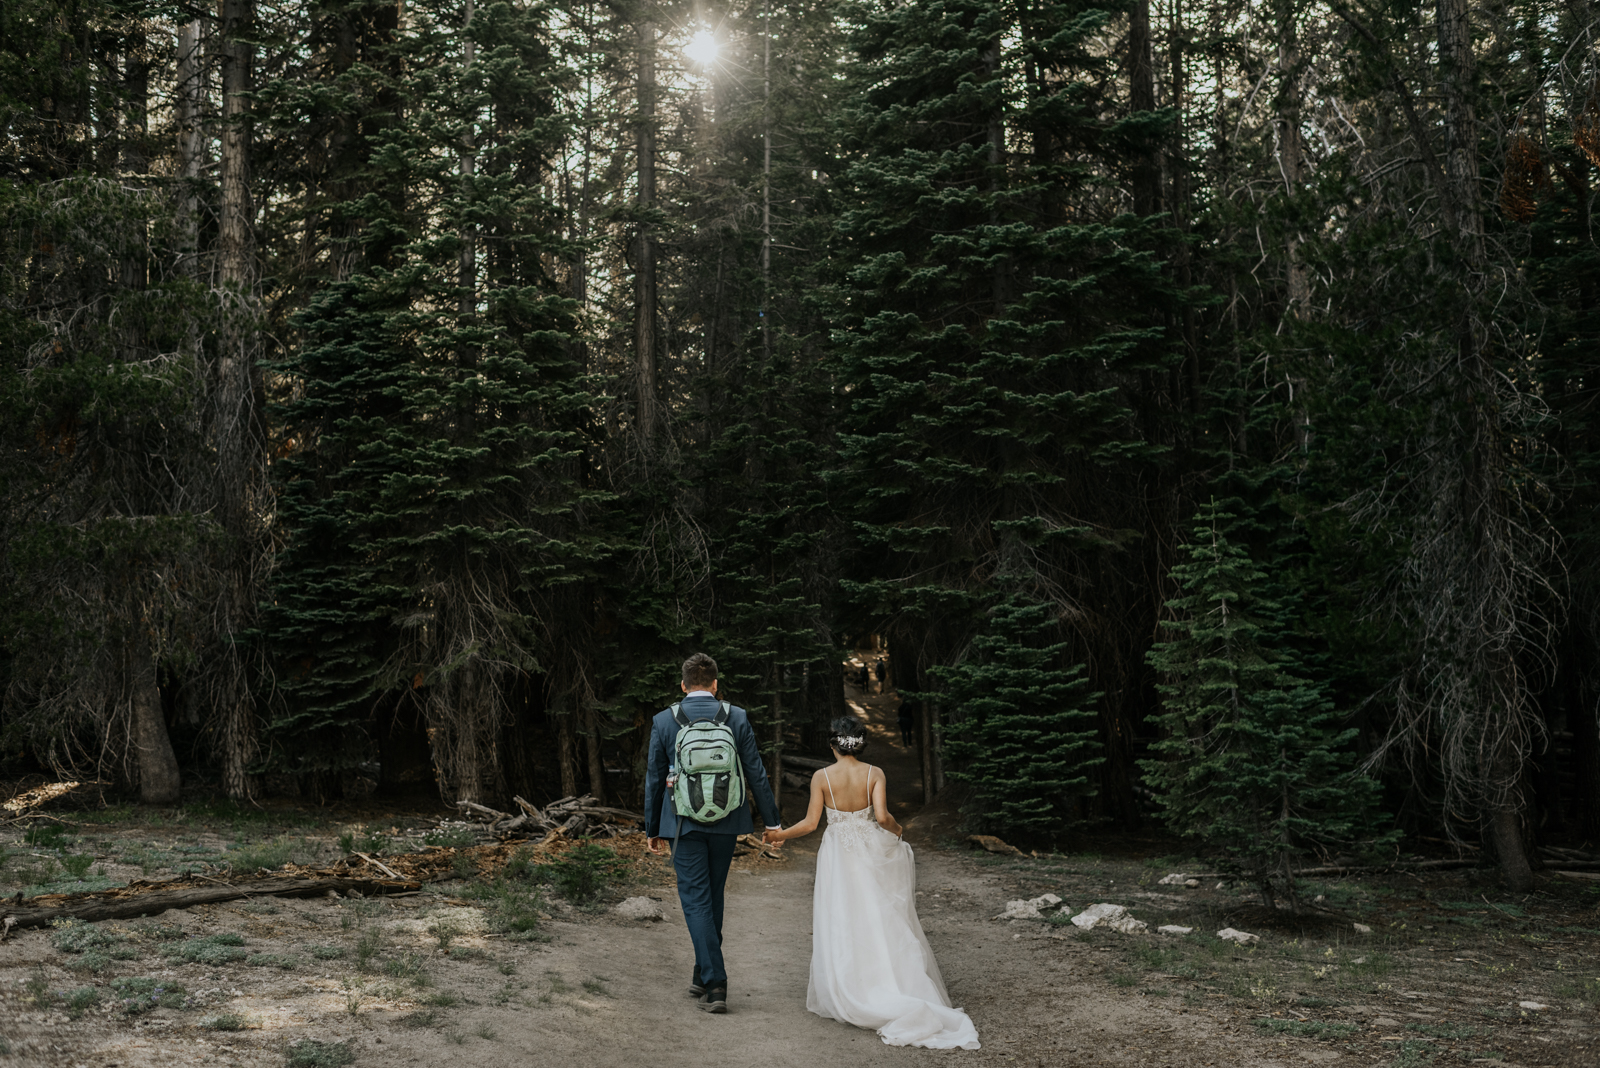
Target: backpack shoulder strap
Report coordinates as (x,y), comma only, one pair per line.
(677,714)
(724,710)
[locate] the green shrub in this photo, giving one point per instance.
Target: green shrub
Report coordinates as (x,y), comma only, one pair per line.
(93,961)
(327,952)
(1308,1028)
(77,864)
(224,1021)
(582,873)
(47,836)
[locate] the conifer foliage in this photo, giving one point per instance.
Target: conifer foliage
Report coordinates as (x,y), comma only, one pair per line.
(1255,759)
(1025,740)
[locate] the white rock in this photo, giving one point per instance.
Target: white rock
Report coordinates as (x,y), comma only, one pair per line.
(1172,928)
(1106,915)
(1361,928)
(1532,1006)
(639,908)
(1244,938)
(1191,883)
(1222,886)
(1045,901)
(1020,910)
(1177,878)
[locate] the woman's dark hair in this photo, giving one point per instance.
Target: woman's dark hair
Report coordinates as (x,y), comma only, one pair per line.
(848,735)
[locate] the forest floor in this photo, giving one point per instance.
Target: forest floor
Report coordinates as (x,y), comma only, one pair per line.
(433,977)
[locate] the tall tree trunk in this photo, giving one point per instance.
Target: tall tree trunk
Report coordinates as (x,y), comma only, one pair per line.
(566,750)
(1502,755)
(235,416)
(1142,97)
(159,777)
(1291,149)
(644,279)
(591,735)
(191,135)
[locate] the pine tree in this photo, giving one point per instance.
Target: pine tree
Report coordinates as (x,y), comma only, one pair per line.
(1026,738)
(1254,758)
(1000,323)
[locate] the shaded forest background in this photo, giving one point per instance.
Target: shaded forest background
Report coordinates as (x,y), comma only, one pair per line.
(1196,398)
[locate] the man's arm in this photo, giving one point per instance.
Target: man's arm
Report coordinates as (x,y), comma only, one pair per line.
(655,783)
(755,773)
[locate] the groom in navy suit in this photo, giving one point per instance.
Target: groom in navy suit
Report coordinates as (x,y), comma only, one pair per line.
(704,850)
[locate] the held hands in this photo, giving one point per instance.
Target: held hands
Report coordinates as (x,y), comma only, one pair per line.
(658,846)
(772,837)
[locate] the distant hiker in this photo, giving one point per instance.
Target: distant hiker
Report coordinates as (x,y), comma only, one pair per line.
(703,765)
(880,671)
(907,719)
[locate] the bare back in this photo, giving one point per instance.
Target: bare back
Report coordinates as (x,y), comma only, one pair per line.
(848,785)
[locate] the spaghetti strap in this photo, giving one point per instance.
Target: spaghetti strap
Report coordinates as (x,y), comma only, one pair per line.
(835,805)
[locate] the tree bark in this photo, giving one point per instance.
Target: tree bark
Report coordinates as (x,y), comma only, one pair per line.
(191,135)
(1142,97)
(567,751)
(236,431)
(597,767)
(159,777)
(1291,149)
(644,279)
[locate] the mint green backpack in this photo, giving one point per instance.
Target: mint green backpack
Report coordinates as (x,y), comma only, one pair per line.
(710,778)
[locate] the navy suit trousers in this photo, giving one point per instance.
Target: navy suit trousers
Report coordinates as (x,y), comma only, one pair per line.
(701,860)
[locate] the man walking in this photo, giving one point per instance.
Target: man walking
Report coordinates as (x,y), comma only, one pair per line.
(702,852)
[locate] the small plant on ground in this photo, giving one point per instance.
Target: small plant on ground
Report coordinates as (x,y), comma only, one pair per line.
(368,948)
(138,994)
(76,865)
(582,873)
(309,1053)
(419,1019)
(444,933)
(207,949)
(224,1021)
(81,1000)
(272,960)
(76,936)
(406,967)
(47,836)
(484,1031)
(327,952)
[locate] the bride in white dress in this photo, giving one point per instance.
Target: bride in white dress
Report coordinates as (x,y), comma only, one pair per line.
(871,965)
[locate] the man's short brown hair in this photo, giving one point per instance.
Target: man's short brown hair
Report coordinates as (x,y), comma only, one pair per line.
(699,671)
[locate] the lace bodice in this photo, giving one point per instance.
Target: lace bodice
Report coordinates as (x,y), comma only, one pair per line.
(857,828)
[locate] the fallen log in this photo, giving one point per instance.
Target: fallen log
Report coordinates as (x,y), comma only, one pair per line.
(806,762)
(152,899)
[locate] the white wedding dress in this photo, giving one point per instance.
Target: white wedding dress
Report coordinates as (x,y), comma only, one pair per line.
(871,965)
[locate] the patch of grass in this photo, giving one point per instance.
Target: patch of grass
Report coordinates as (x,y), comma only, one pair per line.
(596,986)
(309,1053)
(484,1031)
(93,961)
(508,968)
(512,908)
(140,994)
(161,932)
(207,949)
(558,985)
(1415,1054)
(451,838)
(1446,1030)
(124,953)
(81,1000)
(456,1037)
(444,1000)
(1307,1028)
(1315,1003)
(78,936)
(327,952)
(1123,979)
(47,836)
(406,967)
(272,960)
(463,866)
(224,1021)
(420,1019)
(467,953)
(444,933)
(76,865)
(368,948)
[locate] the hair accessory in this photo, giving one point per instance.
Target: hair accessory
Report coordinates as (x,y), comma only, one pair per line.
(848,745)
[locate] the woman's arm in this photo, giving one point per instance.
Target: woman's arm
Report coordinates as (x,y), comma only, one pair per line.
(880,805)
(805,826)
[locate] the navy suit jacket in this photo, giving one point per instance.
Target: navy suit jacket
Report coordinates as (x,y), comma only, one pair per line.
(660,818)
